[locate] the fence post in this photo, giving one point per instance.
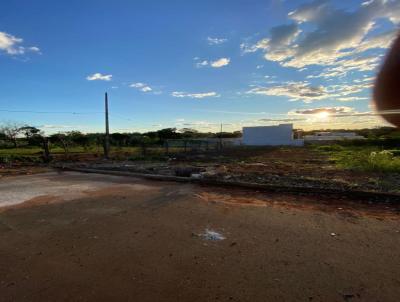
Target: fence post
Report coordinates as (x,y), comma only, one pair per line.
(46,153)
(143,149)
(166,147)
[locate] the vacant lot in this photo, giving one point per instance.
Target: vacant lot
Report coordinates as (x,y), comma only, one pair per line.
(369,167)
(327,167)
(78,237)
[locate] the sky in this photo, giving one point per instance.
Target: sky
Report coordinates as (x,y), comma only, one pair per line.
(192,64)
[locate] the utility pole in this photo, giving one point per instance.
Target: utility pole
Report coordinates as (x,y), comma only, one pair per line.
(107,137)
(220,138)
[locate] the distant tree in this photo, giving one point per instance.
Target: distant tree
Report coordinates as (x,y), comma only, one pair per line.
(11,131)
(29,132)
(39,139)
(35,137)
(168,133)
(145,141)
(78,138)
(119,139)
(189,133)
(63,140)
(230,134)
(135,139)
(152,135)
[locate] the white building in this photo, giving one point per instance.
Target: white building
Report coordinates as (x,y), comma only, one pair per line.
(270,136)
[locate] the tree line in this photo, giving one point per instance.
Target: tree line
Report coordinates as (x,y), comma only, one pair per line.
(14,135)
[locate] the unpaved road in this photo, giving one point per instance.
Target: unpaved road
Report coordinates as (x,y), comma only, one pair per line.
(78,237)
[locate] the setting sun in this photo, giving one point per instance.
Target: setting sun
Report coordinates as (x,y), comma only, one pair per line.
(323,115)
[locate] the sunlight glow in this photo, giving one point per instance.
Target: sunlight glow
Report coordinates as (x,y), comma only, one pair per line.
(323,115)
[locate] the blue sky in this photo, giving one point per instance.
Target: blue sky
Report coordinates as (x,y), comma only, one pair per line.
(192,64)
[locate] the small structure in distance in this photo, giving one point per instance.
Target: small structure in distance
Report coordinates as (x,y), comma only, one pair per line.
(332,136)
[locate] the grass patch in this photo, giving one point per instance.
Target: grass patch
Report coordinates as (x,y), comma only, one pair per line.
(367,158)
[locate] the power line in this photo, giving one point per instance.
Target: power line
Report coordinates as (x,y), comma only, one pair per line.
(51,112)
(67,112)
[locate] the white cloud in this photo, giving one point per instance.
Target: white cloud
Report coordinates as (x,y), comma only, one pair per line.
(329,34)
(249,48)
(343,67)
(11,45)
(34,49)
(295,91)
(141,86)
(200,124)
(202,64)
(348,89)
(146,89)
(215,64)
(216,41)
(220,62)
(55,126)
(179,94)
(280,38)
(281,120)
(308,93)
(351,98)
(99,77)
(341,117)
(383,41)
(332,110)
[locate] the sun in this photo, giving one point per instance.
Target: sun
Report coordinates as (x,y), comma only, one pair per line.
(323,115)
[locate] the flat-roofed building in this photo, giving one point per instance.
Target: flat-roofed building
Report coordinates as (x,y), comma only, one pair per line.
(270,136)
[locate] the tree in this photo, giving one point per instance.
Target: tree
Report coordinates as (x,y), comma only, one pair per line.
(168,133)
(38,139)
(189,133)
(11,131)
(63,139)
(35,137)
(78,138)
(119,139)
(29,131)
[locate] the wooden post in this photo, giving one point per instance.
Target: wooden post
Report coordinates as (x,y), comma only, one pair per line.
(143,144)
(107,137)
(220,138)
(46,153)
(166,147)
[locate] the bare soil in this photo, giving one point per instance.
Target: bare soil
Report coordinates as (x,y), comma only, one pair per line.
(293,167)
(108,238)
(22,169)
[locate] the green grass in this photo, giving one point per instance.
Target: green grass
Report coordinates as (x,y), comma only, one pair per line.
(58,150)
(366,158)
(34,154)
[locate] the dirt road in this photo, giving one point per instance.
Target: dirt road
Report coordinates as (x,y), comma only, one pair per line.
(78,237)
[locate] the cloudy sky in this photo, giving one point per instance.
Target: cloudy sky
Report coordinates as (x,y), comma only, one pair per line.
(192,64)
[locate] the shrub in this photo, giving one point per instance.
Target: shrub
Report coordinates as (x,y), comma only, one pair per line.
(330,148)
(383,161)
